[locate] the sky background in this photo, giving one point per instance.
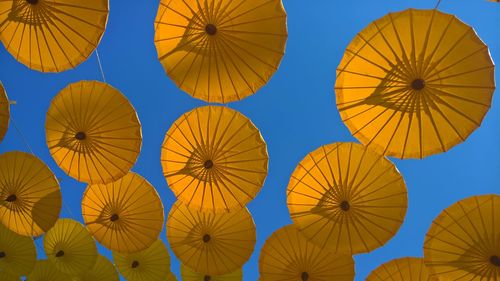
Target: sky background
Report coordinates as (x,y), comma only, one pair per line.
(295,112)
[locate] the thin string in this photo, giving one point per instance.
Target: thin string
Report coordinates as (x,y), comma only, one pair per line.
(437,5)
(100,65)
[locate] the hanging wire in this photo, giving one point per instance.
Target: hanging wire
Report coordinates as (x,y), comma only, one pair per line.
(437,5)
(100,65)
(23,138)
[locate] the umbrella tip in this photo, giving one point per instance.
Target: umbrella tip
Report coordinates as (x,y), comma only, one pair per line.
(206,238)
(2,255)
(210,29)
(135,264)
(345,206)
(207,278)
(495,260)
(80,136)
(11,198)
(32,2)
(304,276)
(60,254)
(418,84)
(208,164)
(114,217)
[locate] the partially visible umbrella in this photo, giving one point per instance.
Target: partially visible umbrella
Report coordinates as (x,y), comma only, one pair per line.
(190,275)
(401,269)
(4,276)
(103,270)
(46,271)
(17,253)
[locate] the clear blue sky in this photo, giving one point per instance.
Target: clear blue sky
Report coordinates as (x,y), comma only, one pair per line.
(295,112)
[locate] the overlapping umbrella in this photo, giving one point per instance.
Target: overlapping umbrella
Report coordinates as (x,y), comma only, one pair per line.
(17,253)
(401,269)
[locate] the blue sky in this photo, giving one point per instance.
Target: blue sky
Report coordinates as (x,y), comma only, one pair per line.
(295,112)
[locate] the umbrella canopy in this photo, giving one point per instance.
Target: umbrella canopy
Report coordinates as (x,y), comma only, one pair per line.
(214,159)
(287,255)
(93,132)
(152,264)
(103,270)
(190,275)
(52,35)
(17,253)
(401,269)
(171,277)
(347,198)
(46,271)
(30,198)
(463,242)
(414,83)
(4,112)
(4,276)
(70,247)
(220,50)
(215,244)
(125,216)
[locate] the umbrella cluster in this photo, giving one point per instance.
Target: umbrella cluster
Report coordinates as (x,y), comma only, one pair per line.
(411,84)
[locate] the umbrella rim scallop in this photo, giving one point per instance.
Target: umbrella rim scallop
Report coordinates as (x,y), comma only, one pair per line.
(211,242)
(189,274)
(70,247)
(103,268)
(203,163)
(151,264)
(215,33)
(96,139)
(25,200)
(412,83)
(44,268)
(288,254)
(347,198)
(52,12)
(111,207)
(23,249)
(473,251)
(4,111)
(391,270)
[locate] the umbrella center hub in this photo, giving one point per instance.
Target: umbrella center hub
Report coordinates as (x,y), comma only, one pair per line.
(345,206)
(32,2)
(11,198)
(207,278)
(135,264)
(80,136)
(59,254)
(495,260)
(208,164)
(304,276)
(114,217)
(2,255)
(211,29)
(418,84)
(206,238)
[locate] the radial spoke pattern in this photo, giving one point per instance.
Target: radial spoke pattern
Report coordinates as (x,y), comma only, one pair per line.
(17,253)
(220,50)
(45,270)
(414,83)
(463,242)
(125,216)
(52,35)
(402,269)
(93,132)
(103,270)
(4,112)
(214,159)
(30,198)
(347,198)
(214,244)
(70,247)
(190,275)
(4,276)
(152,264)
(287,255)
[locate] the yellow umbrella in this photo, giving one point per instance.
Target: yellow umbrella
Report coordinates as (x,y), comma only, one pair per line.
(70,247)
(152,264)
(103,270)
(214,159)
(125,216)
(347,198)
(52,35)
(220,51)
(414,83)
(463,242)
(401,269)
(4,112)
(46,271)
(215,244)
(30,198)
(171,277)
(190,275)
(93,132)
(17,253)
(287,255)
(4,276)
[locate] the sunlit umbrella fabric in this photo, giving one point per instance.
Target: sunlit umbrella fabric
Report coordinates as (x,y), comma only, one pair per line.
(17,253)
(4,112)
(414,83)
(103,270)
(190,275)
(402,269)
(45,270)
(347,198)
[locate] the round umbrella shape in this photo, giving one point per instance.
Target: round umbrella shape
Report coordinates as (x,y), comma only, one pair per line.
(125,216)
(4,112)
(190,275)
(4,276)
(70,247)
(414,83)
(46,271)
(17,253)
(30,198)
(347,198)
(214,244)
(463,242)
(93,132)
(401,269)
(152,264)
(220,51)
(214,159)
(287,255)
(103,270)
(52,35)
